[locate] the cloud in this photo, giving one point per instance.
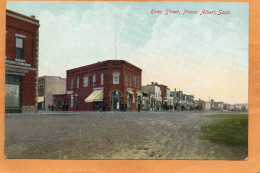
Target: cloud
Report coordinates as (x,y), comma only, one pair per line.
(206,60)
(202,55)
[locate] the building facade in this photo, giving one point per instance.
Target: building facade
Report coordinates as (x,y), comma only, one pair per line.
(21,63)
(47,87)
(110,85)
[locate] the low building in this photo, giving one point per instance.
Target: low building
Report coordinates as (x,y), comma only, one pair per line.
(21,63)
(109,85)
(207,105)
(178,99)
(155,96)
(200,105)
(47,87)
(220,106)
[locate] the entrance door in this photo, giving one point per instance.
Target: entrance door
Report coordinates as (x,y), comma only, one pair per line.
(76,102)
(128,100)
(115,100)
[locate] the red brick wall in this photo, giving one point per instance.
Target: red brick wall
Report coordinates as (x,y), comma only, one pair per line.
(107,68)
(30,31)
(15,26)
(28,90)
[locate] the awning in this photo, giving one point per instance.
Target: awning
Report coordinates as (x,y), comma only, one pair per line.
(95,96)
(130,91)
(139,94)
(40,99)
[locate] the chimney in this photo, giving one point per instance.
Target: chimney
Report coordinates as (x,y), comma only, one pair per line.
(33,16)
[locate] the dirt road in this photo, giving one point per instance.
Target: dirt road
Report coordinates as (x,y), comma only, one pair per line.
(113,135)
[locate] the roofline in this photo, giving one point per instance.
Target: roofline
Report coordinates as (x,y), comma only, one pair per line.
(106,61)
(22,17)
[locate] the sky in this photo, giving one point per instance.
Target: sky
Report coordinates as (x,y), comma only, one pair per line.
(205,55)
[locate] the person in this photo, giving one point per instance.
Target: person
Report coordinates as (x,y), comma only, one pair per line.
(104,108)
(49,107)
(100,108)
(125,106)
(139,107)
(67,107)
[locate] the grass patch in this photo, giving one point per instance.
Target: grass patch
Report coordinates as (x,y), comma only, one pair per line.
(229,130)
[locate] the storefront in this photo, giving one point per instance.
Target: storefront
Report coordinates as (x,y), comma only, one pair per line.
(13,93)
(115,101)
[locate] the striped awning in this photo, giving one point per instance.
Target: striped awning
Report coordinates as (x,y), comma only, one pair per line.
(130,91)
(139,93)
(95,96)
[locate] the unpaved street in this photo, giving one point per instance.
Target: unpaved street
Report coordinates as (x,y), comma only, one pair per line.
(113,135)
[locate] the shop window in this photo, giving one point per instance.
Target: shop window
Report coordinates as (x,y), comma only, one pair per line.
(19,48)
(71,101)
(85,81)
(115,78)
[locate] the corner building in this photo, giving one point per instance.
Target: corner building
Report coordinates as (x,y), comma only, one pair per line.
(112,84)
(21,63)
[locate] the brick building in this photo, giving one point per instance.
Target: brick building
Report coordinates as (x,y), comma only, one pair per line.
(112,84)
(21,64)
(47,87)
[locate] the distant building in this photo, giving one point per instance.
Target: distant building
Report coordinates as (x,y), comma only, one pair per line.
(47,87)
(21,63)
(226,106)
(109,85)
(207,105)
(200,104)
(189,101)
(155,95)
(220,106)
(241,107)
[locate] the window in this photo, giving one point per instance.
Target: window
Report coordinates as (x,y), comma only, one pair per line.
(126,78)
(71,101)
(19,48)
(77,82)
(85,81)
(130,80)
(94,80)
(135,81)
(71,83)
(115,78)
(102,79)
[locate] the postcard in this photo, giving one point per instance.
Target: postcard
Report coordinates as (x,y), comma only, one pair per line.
(126,80)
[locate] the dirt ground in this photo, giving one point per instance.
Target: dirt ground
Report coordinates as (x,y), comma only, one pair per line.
(113,135)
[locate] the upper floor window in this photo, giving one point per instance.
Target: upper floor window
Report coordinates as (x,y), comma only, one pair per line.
(135,81)
(115,78)
(138,82)
(19,48)
(94,80)
(78,82)
(85,81)
(130,80)
(102,79)
(126,78)
(71,83)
